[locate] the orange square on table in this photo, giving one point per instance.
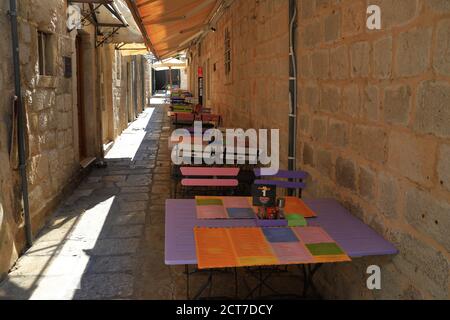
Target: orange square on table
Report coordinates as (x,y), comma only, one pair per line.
(251,247)
(296,205)
(214,249)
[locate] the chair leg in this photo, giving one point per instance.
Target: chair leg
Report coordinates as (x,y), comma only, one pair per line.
(186,268)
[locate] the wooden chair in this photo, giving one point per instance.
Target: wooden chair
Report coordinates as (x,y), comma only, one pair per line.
(187,119)
(206,118)
(183,119)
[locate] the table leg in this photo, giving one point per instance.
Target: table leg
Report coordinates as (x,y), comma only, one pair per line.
(308,273)
(204,287)
(261,282)
(186,270)
(236,293)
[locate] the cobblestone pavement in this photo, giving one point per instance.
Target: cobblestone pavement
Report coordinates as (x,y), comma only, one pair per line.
(106,241)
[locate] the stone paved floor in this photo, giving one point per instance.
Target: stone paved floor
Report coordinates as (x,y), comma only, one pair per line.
(106,240)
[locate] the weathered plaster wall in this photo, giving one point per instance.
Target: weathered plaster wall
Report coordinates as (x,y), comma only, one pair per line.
(373,125)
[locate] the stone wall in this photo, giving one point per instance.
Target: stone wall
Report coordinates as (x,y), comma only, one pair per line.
(148,79)
(117,96)
(373,124)
(255,95)
(9,218)
(119,83)
(375,131)
(48,101)
(51,104)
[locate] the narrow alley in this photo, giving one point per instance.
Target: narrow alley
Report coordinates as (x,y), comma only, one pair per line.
(224,150)
(106,241)
(99,238)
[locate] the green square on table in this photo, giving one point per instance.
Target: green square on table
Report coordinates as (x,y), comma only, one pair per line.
(324,249)
(296,220)
(209,202)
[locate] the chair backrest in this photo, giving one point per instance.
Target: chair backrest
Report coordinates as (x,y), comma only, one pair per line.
(209,176)
(297,176)
(183,117)
(211,117)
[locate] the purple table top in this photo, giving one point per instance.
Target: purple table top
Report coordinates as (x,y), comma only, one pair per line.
(355,237)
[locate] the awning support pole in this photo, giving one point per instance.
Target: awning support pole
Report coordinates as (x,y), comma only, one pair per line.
(292,90)
(170,78)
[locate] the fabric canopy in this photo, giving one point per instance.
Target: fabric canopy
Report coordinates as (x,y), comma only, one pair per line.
(131,49)
(130,34)
(169,25)
(169,63)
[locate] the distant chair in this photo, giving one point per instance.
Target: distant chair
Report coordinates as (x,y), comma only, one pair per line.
(187,116)
(183,119)
(206,118)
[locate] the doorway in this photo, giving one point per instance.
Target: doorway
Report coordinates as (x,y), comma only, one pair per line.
(162,79)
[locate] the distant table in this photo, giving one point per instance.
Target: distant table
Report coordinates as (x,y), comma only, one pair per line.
(354,236)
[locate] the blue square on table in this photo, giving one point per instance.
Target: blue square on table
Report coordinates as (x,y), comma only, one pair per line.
(241,213)
(280,235)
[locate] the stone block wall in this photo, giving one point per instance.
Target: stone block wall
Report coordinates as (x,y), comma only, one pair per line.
(255,95)
(49,102)
(119,92)
(373,121)
(9,219)
(374,132)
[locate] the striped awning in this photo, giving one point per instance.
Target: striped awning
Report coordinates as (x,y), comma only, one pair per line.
(169,25)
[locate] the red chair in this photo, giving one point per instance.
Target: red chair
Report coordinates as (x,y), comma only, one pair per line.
(183,119)
(211,118)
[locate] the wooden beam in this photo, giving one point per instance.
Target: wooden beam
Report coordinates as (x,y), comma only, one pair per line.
(92,1)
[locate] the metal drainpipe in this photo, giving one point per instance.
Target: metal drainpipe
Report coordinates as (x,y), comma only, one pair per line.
(20,122)
(292,88)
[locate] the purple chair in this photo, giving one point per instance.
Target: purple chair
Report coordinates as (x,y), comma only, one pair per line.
(294,182)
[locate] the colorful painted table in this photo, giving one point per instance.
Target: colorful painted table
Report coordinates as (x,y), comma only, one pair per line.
(351,234)
(354,236)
